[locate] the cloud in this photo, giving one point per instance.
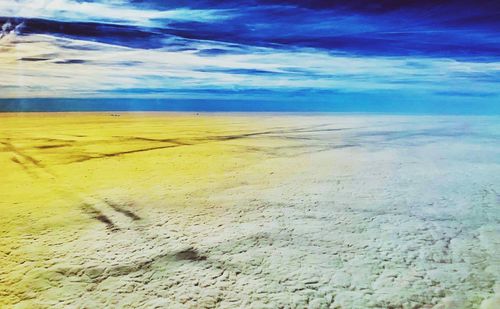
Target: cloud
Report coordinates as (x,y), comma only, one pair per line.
(248,48)
(380,30)
(114,12)
(9,30)
(79,68)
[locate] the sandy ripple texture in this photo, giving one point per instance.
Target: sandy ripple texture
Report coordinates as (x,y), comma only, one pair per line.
(249,211)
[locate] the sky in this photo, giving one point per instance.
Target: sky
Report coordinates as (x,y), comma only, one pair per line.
(317,54)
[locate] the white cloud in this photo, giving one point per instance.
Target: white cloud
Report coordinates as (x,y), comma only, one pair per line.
(118,12)
(104,68)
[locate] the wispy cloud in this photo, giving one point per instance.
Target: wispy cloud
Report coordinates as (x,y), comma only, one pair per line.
(243,48)
(115,12)
(79,68)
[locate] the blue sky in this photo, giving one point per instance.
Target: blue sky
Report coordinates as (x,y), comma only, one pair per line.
(322,52)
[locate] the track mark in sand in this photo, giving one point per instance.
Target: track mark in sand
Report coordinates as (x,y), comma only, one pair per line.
(122,210)
(84,158)
(26,169)
(52,146)
(190,254)
(12,148)
(175,142)
(102,272)
(30,165)
(98,215)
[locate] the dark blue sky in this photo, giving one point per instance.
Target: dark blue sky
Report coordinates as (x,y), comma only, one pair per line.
(317,51)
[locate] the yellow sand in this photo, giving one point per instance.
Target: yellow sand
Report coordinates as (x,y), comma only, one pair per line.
(100,210)
(51,162)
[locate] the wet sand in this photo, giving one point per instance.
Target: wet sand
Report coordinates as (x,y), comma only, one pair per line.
(249,210)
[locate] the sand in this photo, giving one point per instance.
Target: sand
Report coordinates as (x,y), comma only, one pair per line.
(249,210)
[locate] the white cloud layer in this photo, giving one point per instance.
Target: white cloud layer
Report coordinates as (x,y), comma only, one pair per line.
(118,12)
(48,66)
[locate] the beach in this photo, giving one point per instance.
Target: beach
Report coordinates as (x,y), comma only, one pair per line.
(249,210)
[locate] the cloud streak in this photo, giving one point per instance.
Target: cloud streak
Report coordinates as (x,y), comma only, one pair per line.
(248,49)
(113,12)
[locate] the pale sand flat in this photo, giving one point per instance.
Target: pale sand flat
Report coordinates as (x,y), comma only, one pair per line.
(262,211)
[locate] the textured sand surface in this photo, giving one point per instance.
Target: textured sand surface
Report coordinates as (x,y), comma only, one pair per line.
(252,211)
